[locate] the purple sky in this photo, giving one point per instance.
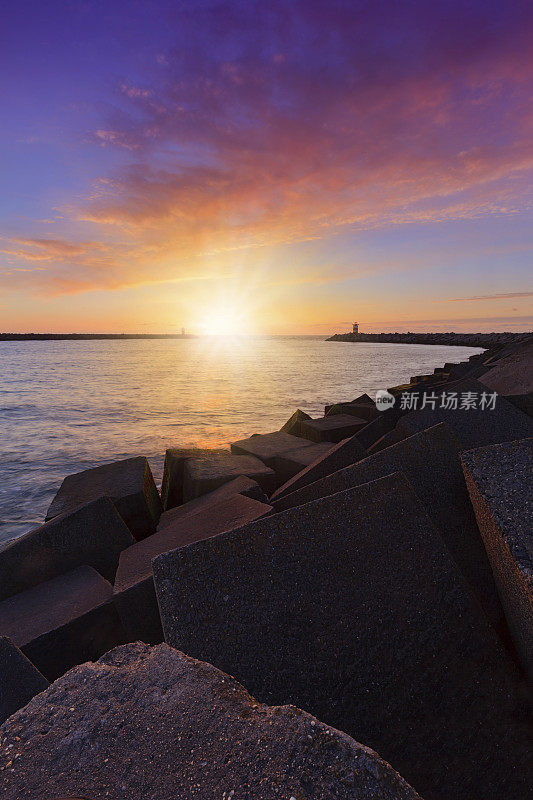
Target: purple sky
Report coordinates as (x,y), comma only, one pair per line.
(290,165)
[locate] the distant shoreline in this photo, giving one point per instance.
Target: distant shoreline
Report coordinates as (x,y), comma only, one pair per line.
(484,340)
(25,337)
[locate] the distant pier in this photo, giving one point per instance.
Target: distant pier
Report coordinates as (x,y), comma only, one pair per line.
(459,339)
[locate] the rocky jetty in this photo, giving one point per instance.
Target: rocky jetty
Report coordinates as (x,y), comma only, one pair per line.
(372,568)
(459,339)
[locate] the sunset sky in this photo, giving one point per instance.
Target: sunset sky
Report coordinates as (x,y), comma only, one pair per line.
(265,167)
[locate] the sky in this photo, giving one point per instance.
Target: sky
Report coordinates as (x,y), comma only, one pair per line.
(265,167)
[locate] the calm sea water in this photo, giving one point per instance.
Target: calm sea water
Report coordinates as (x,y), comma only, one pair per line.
(66,406)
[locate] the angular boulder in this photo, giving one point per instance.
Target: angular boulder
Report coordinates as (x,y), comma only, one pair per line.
(360,410)
(430,462)
(128,483)
(134,592)
(19,680)
(241,485)
(94,534)
(512,374)
(153,723)
(499,482)
(290,463)
(175,458)
(268,446)
(203,475)
(292,425)
(338,456)
(63,622)
(351,607)
(333,428)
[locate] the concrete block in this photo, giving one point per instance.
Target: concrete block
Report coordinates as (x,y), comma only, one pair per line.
(175,458)
(375,430)
(176,728)
(268,446)
(63,622)
(19,680)
(475,427)
(289,464)
(512,374)
(499,482)
(128,483)
(241,485)
(359,410)
(341,455)
(292,425)
(430,462)
(203,475)
(134,593)
(351,607)
(332,428)
(94,534)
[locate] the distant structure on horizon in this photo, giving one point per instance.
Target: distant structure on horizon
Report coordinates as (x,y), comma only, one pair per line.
(355,327)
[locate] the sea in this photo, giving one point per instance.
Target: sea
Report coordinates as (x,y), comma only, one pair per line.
(66,406)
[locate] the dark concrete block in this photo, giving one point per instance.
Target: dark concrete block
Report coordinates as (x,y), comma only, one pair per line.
(175,458)
(351,607)
(340,455)
(430,462)
(63,622)
(94,534)
(375,430)
(134,592)
(499,482)
(475,427)
(19,680)
(332,428)
(175,728)
(203,475)
(128,483)
(359,410)
(524,402)
(292,425)
(268,446)
(289,464)
(241,485)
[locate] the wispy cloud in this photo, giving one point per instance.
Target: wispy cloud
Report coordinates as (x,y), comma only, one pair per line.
(505,296)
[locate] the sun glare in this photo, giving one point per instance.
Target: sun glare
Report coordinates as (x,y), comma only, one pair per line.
(225,323)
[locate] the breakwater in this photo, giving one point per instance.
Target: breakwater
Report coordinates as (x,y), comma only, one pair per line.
(460,339)
(59,337)
(367,567)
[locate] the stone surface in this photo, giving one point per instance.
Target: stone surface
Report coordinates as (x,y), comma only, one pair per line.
(241,485)
(512,374)
(203,475)
(475,427)
(359,410)
(134,592)
(333,428)
(129,484)
(63,622)
(289,464)
(499,482)
(175,458)
(339,456)
(268,446)
(375,430)
(352,608)
(179,729)
(19,680)
(292,425)
(94,534)
(430,462)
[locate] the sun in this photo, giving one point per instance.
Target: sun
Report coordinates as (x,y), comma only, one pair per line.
(225,322)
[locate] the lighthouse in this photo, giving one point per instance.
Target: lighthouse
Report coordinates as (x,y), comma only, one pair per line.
(355,327)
